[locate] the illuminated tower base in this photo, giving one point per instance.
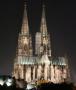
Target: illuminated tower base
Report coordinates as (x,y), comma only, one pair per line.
(36,69)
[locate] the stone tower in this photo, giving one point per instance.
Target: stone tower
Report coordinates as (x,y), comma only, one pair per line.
(43,38)
(24,40)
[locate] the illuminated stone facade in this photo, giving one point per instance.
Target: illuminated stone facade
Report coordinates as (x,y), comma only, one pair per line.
(39,66)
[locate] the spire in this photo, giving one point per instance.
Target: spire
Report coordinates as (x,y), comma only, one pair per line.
(43,27)
(25,26)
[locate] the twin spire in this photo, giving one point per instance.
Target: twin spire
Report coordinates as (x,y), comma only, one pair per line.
(25,26)
(43,27)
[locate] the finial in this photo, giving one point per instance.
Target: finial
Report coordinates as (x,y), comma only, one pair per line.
(43,3)
(25,3)
(43,8)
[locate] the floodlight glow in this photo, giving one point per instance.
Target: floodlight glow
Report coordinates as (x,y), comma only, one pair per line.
(29,86)
(1,82)
(9,82)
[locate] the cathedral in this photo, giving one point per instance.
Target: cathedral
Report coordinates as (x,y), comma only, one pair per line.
(41,65)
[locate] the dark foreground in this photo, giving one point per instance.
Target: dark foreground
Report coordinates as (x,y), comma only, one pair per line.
(48,86)
(63,86)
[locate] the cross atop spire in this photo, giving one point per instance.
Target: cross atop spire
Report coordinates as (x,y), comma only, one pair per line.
(25,26)
(43,27)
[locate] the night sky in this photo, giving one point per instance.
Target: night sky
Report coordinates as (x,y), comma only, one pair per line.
(61,23)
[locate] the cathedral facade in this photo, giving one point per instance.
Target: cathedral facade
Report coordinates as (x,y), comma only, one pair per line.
(39,66)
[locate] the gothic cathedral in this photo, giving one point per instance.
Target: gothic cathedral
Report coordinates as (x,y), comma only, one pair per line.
(39,66)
